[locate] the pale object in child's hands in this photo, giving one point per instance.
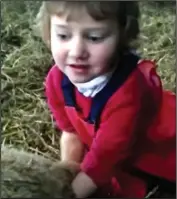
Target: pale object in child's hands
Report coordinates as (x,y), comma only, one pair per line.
(27,175)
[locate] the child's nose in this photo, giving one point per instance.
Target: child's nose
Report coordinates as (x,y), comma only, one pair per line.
(78,49)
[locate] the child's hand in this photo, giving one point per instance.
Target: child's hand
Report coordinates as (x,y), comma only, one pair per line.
(75,166)
(83,186)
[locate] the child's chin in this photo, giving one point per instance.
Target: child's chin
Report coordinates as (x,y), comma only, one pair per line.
(80,79)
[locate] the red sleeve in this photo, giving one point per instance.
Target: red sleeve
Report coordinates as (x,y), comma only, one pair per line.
(55,100)
(117,133)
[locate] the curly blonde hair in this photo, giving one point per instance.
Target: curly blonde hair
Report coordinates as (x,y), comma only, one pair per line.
(125,13)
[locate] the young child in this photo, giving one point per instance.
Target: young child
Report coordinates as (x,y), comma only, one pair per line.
(118,124)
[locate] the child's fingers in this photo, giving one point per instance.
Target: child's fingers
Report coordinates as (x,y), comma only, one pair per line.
(71,165)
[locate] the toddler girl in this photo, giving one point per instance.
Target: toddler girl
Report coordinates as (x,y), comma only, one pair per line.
(117,122)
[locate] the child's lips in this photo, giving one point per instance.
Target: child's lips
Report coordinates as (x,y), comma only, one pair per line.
(81,67)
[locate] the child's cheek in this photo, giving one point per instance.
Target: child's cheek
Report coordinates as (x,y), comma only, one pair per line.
(102,57)
(59,55)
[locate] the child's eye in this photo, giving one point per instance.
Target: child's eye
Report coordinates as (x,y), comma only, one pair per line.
(95,38)
(63,36)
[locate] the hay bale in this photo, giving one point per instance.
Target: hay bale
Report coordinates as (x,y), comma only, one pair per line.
(27,175)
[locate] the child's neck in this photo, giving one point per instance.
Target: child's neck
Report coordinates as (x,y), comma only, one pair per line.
(91,88)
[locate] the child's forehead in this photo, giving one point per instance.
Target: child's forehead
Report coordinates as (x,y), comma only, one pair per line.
(79,19)
(77,10)
(76,15)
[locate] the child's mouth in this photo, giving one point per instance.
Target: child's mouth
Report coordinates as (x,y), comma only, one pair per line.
(79,67)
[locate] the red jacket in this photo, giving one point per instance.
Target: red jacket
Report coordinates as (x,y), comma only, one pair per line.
(129,124)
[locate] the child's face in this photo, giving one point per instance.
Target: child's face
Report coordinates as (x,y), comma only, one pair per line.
(83,48)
